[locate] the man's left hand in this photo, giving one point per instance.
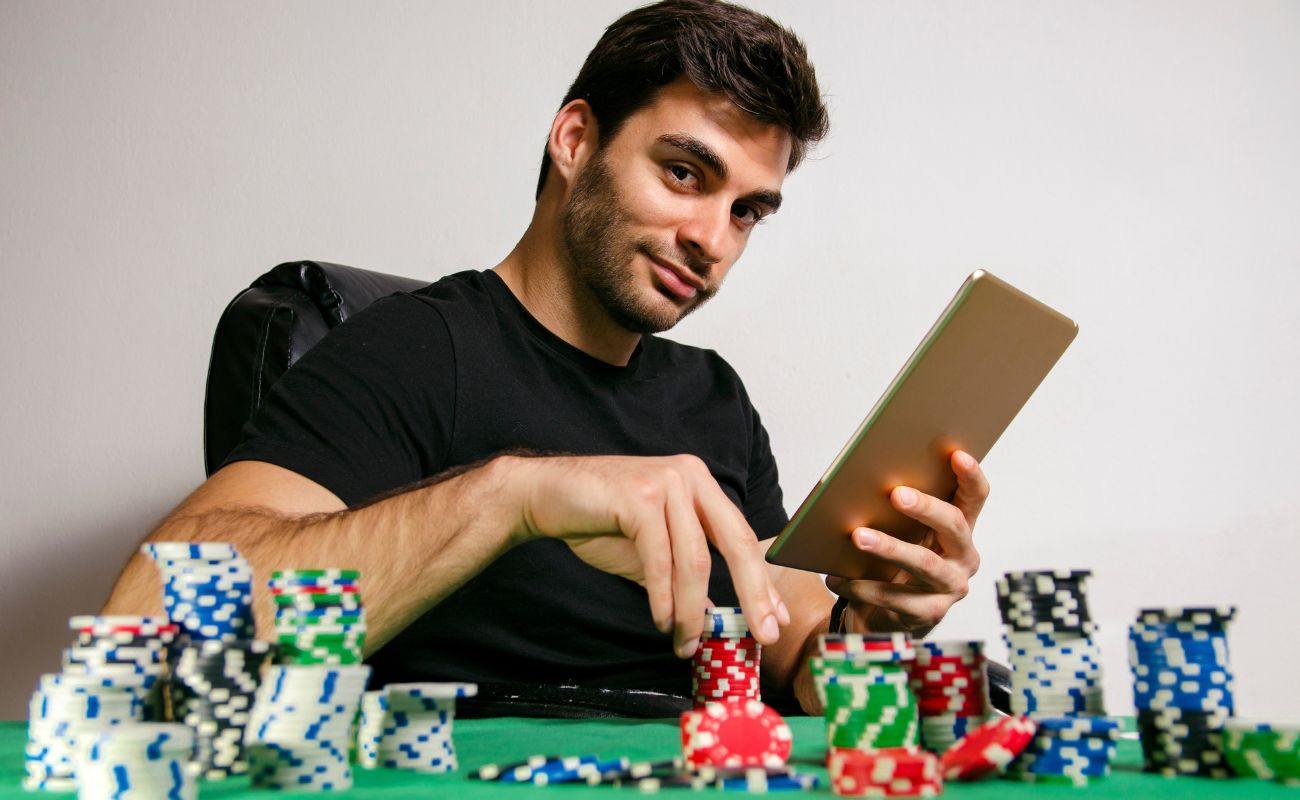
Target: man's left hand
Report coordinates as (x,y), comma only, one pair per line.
(931,578)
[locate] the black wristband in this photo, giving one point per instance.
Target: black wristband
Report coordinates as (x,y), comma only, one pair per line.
(837,615)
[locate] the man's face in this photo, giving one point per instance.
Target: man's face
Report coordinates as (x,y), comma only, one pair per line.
(647,196)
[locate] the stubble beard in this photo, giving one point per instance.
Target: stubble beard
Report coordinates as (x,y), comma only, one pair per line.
(595,232)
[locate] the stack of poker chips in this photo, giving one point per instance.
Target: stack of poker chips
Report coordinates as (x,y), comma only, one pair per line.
(207,589)
(735,734)
(409,725)
(726,663)
(948,679)
(1055,663)
(888,772)
(1067,750)
(863,683)
(298,734)
(370,727)
(124,645)
(1265,750)
(213,686)
(1182,688)
(1056,677)
(143,760)
(110,677)
(318,616)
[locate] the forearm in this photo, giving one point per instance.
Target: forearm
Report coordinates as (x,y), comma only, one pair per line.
(413,549)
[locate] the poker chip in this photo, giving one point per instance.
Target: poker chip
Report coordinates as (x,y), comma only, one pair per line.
(213,686)
(735,734)
(948,680)
(415,726)
(207,589)
(140,760)
(1066,750)
(298,734)
(1182,689)
(491,772)
(1265,750)
(319,617)
(987,749)
(1056,667)
(885,772)
(111,676)
(727,660)
(863,682)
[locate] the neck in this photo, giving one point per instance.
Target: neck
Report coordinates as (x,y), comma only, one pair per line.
(538,274)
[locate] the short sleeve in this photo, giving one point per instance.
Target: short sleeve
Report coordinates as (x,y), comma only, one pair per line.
(764,505)
(367,410)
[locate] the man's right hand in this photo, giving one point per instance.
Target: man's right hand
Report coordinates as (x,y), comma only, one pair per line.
(649,519)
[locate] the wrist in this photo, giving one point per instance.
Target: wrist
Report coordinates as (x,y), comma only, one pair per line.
(506,488)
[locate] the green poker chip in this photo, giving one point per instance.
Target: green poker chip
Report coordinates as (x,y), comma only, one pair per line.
(340,575)
(348,600)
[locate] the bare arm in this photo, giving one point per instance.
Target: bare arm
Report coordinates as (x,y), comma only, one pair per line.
(644,518)
(413,549)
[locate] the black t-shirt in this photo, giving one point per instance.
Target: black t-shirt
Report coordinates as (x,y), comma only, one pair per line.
(453,373)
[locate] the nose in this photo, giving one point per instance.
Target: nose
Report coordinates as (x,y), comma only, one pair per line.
(704,235)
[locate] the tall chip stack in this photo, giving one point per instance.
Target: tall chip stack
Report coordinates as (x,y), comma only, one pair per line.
(948,679)
(318,616)
(864,683)
(1056,677)
(207,589)
(213,687)
(1182,687)
(726,663)
(300,732)
(216,665)
(142,760)
(110,676)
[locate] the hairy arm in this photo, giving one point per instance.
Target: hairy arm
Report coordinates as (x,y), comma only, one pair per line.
(413,547)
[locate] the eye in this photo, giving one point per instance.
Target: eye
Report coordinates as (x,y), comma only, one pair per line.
(758,219)
(673,167)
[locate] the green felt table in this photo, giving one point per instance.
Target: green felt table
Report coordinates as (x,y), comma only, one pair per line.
(506,739)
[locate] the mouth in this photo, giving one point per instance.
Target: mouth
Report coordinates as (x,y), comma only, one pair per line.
(673,280)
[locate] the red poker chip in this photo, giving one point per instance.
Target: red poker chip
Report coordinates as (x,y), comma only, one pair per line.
(734,734)
(350,588)
(987,749)
(889,772)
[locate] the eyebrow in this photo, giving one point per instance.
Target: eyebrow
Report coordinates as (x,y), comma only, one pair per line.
(711,161)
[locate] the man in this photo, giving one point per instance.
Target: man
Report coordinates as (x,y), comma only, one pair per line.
(535,487)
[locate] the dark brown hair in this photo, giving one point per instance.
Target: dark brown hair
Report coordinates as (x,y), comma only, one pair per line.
(760,66)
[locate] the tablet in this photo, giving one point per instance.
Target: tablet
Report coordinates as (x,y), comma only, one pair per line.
(975,369)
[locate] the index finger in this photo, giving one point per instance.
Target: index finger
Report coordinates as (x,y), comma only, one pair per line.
(972,486)
(731,534)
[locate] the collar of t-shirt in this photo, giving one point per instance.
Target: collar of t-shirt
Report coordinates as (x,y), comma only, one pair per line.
(595,366)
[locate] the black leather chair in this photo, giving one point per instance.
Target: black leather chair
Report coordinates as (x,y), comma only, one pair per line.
(283,314)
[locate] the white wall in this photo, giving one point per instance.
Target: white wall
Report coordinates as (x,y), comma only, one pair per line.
(1133,164)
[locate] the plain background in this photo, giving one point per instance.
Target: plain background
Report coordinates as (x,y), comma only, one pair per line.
(1135,165)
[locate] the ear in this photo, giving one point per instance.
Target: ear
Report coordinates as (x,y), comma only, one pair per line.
(573,138)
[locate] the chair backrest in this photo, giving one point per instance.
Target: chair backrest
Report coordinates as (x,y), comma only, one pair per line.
(267,327)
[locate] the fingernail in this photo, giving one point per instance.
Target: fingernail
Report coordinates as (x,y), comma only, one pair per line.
(783,612)
(906,496)
(867,538)
(769,628)
(687,650)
